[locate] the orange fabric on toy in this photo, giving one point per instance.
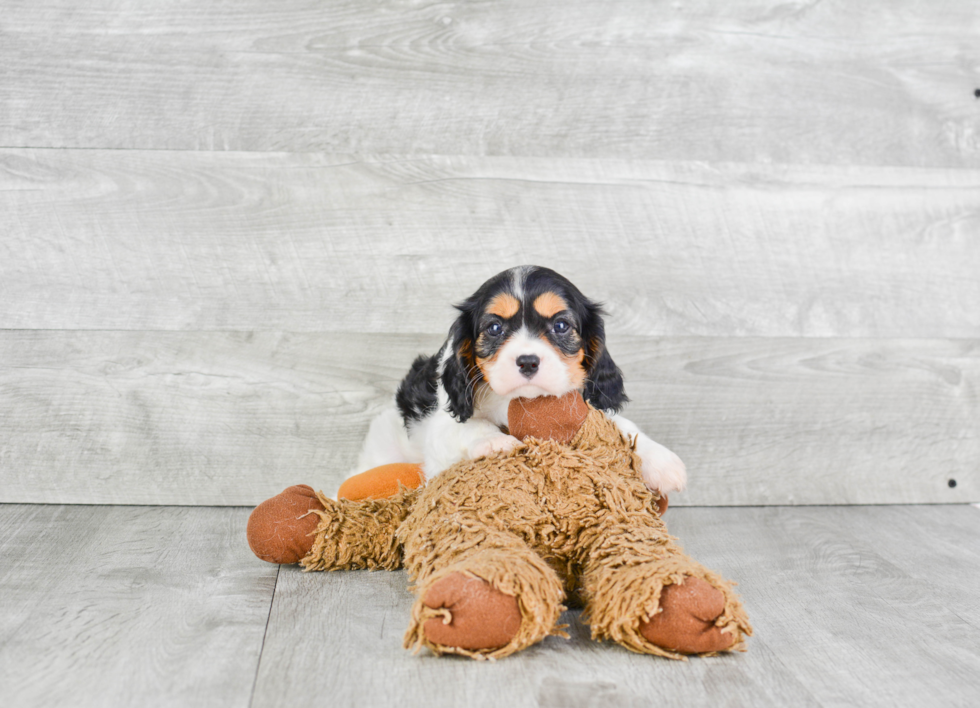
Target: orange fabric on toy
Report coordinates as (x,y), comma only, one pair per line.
(382,482)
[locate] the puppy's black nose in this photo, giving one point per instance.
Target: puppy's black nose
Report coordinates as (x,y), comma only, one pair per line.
(528,364)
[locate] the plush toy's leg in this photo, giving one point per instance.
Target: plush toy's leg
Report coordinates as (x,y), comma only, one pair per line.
(358,534)
(486,598)
(642,591)
(301,525)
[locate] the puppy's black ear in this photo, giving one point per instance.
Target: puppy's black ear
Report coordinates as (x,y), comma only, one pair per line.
(604,381)
(460,371)
(604,386)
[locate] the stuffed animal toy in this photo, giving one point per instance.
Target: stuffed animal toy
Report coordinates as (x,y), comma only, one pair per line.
(495,545)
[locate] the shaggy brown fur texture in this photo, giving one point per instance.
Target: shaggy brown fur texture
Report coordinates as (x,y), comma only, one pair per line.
(541,520)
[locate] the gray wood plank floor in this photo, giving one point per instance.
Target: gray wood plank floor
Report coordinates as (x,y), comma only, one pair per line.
(129,606)
(229,418)
(166,606)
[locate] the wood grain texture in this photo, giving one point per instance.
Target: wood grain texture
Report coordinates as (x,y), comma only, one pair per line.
(763,81)
(187,418)
(156,240)
(129,607)
(228,418)
(165,606)
(851,606)
(812,421)
(865,605)
(346,629)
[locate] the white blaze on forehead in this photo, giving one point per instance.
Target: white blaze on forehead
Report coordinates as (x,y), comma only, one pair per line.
(517,278)
(505,377)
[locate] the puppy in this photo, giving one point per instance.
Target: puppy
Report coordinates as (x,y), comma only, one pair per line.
(526,332)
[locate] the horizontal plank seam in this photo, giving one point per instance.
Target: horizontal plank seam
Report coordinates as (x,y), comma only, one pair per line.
(298,332)
(367,157)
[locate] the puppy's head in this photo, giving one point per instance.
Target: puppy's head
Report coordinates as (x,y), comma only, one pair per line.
(529,332)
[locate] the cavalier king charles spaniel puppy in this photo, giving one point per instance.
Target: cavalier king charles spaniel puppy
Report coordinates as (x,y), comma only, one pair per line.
(526,332)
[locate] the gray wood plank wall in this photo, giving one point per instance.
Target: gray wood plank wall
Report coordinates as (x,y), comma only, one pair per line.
(225,230)
(177,240)
(232,418)
(760,81)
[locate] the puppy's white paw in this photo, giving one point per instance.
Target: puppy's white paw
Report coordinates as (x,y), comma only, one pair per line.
(497,443)
(662,471)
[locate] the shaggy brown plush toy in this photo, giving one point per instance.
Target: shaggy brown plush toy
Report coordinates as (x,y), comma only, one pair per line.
(493,545)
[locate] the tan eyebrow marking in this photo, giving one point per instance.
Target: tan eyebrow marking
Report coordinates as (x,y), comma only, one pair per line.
(504,305)
(548,304)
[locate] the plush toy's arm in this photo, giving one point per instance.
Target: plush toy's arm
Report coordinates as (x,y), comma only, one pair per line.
(446,441)
(663,471)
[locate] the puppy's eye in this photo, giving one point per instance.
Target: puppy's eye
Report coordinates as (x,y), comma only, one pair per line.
(561,327)
(495,329)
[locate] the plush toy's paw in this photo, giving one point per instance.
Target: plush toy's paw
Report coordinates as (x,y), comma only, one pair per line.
(280,529)
(476,614)
(686,620)
(487,446)
(663,471)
